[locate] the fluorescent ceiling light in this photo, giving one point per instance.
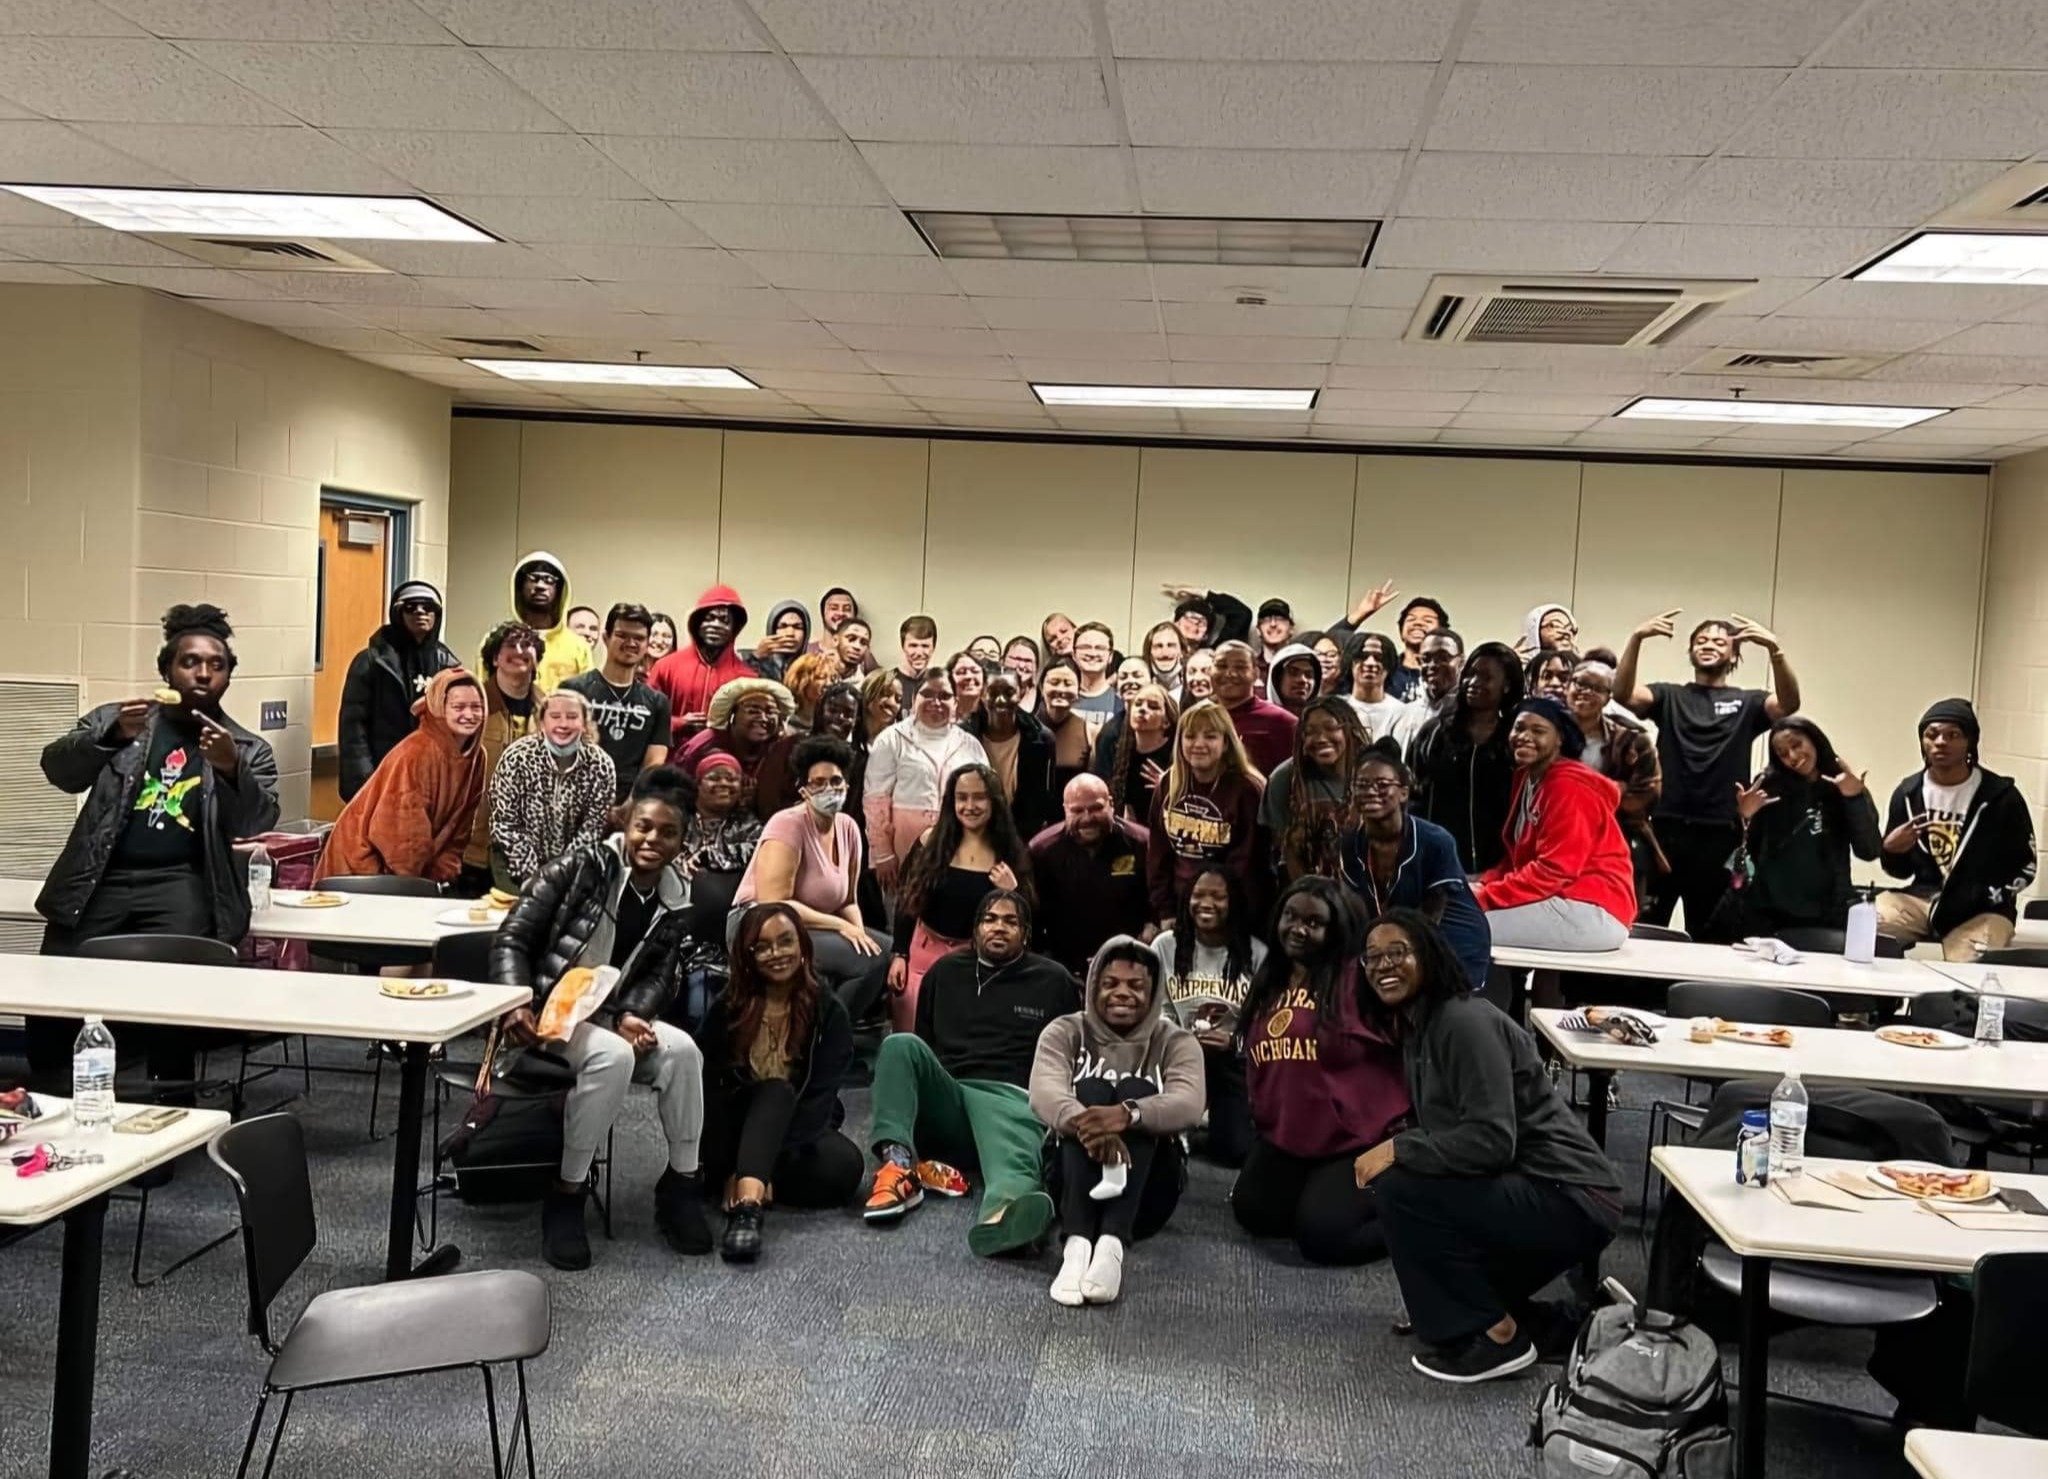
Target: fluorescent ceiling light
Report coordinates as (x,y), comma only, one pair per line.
(1778,413)
(2012,257)
(983,236)
(1179,397)
(255,213)
(590,372)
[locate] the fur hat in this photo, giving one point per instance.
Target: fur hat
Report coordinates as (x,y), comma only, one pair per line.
(728,697)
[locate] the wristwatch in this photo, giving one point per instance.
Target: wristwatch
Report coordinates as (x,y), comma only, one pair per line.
(1131,1109)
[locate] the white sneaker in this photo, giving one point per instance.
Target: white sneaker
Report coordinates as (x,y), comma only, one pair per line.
(1067,1284)
(1110,1185)
(1104,1279)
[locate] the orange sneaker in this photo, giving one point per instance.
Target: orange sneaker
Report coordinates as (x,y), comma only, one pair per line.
(895,1192)
(939,1177)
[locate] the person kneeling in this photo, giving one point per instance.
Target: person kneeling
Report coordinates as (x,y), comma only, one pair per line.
(958,1083)
(1117,1082)
(615,903)
(776,1049)
(1498,1189)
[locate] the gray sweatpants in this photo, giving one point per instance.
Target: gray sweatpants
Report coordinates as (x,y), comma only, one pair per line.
(1556,924)
(605,1066)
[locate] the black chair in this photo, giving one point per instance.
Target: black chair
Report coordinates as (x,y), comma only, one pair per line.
(1658,932)
(353,959)
(465,956)
(376,1333)
(2016,955)
(2034,909)
(1814,940)
(2011,1304)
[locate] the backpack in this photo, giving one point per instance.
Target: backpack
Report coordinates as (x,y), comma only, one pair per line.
(1641,1398)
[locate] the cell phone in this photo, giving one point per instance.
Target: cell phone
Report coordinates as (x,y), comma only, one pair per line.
(149,1121)
(2022,1201)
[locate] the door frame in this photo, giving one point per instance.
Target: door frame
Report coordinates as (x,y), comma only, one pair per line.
(397,552)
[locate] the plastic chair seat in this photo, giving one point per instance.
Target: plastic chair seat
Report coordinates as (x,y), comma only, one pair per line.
(1829,1293)
(386,1330)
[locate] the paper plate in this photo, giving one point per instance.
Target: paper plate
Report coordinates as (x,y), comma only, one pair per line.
(395,990)
(307,899)
(461,920)
(1922,1037)
(1877,1174)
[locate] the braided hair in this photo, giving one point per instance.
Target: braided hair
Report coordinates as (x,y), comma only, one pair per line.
(1308,843)
(203,620)
(1127,741)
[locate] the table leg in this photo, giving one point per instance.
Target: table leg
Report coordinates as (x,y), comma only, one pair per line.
(1597,1080)
(1754,1351)
(78,1330)
(405,1174)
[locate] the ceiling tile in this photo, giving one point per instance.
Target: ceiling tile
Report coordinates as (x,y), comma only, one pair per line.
(798,381)
(649,25)
(797,171)
(44,276)
(1378,323)
(1258,377)
(1492,404)
(960,102)
(1528,187)
(1393,420)
(249,157)
(1015,391)
(1089,280)
(185,282)
(1391,400)
(1506,421)
(1274,105)
(1241,349)
(1995,339)
(525,293)
(727,331)
(1501,437)
(1085,371)
(998,177)
(993,420)
(357,341)
(927,310)
(1422,362)
(2031,397)
(932,28)
(869,338)
(1283,30)
(1609,438)
(1747,251)
(1939,33)
(464,163)
(1755,446)
(1201,282)
(654,264)
(691,94)
(38,152)
(416,320)
(1390,436)
(280,314)
(669,297)
(939,366)
(1652,33)
(1080,344)
(124,81)
(460,259)
(1625,380)
(1597,110)
(1826,192)
(1268,319)
(549,218)
(72,244)
(1867,114)
(806,228)
(850,272)
(1865,390)
(1481,246)
(2012,420)
(1941,368)
(1403,377)
(356,287)
(63,18)
(1963,302)
(1104,315)
(337,86)
(1829,335)
(1306,183)
(384,21)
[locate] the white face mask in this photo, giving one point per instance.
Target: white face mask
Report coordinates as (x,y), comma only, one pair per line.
(563,751)
(827,803)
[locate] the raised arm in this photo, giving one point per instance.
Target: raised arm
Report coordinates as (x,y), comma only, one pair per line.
(1633,695)
(1784,698)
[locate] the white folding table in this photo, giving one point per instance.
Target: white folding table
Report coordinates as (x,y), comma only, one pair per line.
(1936,1454)
(366,919)
(1684,960)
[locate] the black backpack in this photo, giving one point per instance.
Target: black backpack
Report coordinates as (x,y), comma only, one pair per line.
(508,1148)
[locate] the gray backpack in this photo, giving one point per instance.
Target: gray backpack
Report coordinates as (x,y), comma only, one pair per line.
(1641,1398)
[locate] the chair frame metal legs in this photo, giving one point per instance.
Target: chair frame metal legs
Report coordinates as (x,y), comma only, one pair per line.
(519,1437)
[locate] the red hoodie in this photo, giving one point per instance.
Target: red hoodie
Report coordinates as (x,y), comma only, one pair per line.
(686,680)
(1572,847)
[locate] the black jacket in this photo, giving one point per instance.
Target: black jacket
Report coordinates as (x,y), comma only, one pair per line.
(1037,804)
(1799,848)
(817,1075)
(985,1024)
(565,905)
(1994,863)
(377,698)
(94,759)
(1462,787)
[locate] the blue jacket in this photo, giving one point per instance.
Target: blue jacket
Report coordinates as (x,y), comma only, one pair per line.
(1429,861)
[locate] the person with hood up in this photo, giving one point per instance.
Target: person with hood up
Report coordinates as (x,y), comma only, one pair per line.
(1117,1083)
(413,818)
(788,638)
(552,791)
(386,678)
(1964,839)
(746,718)
(908,764)
(1294,677)
(1547,628)
(540,599)
(1567,881)
(694,672)
(835,609)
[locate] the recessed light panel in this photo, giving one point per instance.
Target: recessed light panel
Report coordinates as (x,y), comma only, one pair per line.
(2007,257)
(1177,397)
(588,372)
(984,236)
(1778,413)
(236,213)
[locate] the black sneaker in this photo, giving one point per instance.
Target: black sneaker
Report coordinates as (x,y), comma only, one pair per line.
(742,1234)
(1478,1359)
(679,1212)
(563,1241)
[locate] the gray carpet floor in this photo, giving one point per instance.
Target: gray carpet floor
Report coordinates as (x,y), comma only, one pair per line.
(846,1351)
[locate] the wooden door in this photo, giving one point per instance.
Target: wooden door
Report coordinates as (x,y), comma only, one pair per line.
(355,600)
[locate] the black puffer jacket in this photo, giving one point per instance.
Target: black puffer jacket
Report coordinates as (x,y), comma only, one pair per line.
(383,681)
(817,1075)
(562,910)
(93,758)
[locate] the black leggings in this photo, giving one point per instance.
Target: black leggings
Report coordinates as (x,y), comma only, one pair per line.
(1153,1181)
(1230,1109)
(746,1136)
(1316,1203)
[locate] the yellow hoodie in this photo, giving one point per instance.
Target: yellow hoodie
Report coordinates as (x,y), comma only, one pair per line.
(563,654)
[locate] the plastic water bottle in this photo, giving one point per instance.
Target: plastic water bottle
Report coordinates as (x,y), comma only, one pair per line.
(92,1076)
(259,879)
(1990,1012)
(1788,1126)
(1859,940)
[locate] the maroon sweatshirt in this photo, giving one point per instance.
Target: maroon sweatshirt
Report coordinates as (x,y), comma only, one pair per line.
(1213,824)
(1323,1088)
(1267,731)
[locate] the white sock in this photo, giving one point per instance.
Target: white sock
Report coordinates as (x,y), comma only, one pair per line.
(1105,1277)
(1066,1285)
(1111,1186)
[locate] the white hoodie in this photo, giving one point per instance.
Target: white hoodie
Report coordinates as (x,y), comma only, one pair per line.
(906,781)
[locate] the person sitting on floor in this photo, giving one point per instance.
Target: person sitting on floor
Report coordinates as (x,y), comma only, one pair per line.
(1497,1188)
(1117,1083)
(552,791)
(776,1049)
(619,903)
(1208,960)
(412,818)
(956,1086)
(1324,1082)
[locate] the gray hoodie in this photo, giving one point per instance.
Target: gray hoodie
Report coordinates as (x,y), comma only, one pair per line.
(1081,1045)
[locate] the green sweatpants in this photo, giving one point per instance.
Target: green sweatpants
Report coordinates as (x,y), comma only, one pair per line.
(976,1123)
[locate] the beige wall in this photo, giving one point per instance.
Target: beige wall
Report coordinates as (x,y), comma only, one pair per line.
(1871,578)
(2012,681)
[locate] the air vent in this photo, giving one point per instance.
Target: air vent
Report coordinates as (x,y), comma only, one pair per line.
(1793,363)
(1610,312)
(268,253)
(1210,239)
(523,346)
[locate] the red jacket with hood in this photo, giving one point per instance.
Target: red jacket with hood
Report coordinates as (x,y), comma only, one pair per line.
(687,679)
(1572,847)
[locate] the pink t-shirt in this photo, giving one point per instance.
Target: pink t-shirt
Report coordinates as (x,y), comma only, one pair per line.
(821,883)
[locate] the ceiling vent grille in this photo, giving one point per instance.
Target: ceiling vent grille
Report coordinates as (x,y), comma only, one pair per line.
(1615,313)
(1793,363)
(268,253)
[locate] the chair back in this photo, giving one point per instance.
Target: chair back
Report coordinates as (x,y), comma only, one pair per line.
(2026,1020)
(265,1161)
(2011,1304)
(1658,932)
(1768,1006)
(390,884)
(1817,941)
(2034,909)
(2016,955)
(465,956)
(162,949)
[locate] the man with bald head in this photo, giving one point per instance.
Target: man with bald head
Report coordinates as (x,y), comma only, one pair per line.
(1090,873)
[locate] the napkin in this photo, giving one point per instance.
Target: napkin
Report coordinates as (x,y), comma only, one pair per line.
(1771,952)
(1856,1184)
(1974,1221)
(1807,1191)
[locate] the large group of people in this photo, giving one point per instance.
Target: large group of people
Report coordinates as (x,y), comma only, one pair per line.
(1231,892)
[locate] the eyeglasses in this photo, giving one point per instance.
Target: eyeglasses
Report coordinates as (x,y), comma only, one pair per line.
(1384,786)
(763,949)
(1393,955)
(1588,685)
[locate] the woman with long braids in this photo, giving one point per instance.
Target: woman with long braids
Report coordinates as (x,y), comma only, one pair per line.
(1307,805)
(1135,748)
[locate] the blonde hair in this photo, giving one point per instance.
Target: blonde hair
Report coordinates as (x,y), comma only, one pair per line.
(807,678)
(568,695)
(872,687)
(1208,717)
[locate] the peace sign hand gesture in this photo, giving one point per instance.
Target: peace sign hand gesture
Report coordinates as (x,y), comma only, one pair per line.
(1372,601)
(1751,799)
(1850,782)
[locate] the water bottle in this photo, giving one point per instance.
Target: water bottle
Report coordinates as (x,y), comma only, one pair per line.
(1990,1012)
(1788,1126)
(259,879)
(1859,940)
(92,1076)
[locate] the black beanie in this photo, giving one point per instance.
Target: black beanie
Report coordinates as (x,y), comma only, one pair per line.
(1571,739)
(1956,711)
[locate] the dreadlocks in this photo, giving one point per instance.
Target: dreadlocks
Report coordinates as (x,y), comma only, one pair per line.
(202,620)
(1308,843)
